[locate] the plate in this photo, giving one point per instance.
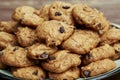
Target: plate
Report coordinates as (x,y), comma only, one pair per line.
(6,74)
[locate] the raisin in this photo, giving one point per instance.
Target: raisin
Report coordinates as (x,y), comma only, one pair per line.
(16,48)
(62,30)
(51,57)
(58,14)
(35,72)
(66,7)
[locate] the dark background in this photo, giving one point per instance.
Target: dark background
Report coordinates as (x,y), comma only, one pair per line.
(111,9)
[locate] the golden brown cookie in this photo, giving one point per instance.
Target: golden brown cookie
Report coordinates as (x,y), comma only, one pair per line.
(32,20)
(99,53)
(82,41)
(61,11)
(61,61)
(26,36)
(111,36)
(91,18)
(29,73)
(98,67)
(54,32)
(40,51)
(8,26)
(27,16)
(7,39)
(71,74)
(15,56)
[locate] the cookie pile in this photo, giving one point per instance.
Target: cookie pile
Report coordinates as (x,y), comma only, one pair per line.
(59,41)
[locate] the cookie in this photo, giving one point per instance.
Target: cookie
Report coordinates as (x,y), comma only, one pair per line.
(61,11)
(54,32)
(91,18)
(81,42)
(44,12)
(7,39)
(111,36)
(99,53)
(40,51)
(31,20)
(61,61)
(26,36)
(8,26)
(26,16)
(98,67)
(29,73)
(116,46)
(15,56)
(71,74)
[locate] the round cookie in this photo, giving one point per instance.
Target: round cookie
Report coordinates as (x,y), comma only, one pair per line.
(91,18)
(111,36)
(20,11)
(26,36)
(61,11)
(29,73)
(15,56)
(40,51)
(71,74)
(26,15)
(82,41)
(99,53)
(7,39)
(98,67)
(44,12)
(8,26)
(61,61)
(54,32)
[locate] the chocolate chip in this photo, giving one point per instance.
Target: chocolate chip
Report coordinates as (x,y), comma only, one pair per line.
(44,55)
(66,7)
(58,14)
(87,73)
(35,72)
(42,78)
(89,55)
(16,48)
(99,25)
(64,79)
(1,48)
(61,30)
(1,53)
(53,7)
(51,57)
(116,51)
